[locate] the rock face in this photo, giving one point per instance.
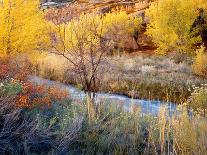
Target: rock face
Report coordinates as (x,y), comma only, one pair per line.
(56,1)
(134,7)
(45,4)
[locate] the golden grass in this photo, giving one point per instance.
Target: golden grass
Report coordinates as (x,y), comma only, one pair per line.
(54,64)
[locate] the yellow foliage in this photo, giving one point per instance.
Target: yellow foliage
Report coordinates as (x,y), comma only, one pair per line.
(118,26)
(200,62)
(90,28)
(171,24)
(22,27)
(76,31)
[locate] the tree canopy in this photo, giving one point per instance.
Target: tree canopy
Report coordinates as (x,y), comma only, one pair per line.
(22,26)
(171,24)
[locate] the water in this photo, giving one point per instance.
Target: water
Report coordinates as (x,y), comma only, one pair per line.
(151,107)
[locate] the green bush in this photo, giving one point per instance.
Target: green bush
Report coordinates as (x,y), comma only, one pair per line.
(11,88)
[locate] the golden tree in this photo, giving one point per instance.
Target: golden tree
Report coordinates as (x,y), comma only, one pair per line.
(120,27)
(171,24)
(22,27)
(200,62)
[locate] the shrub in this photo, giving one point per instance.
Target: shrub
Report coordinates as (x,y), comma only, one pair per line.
(16,68)
(24,132)
(200,62)
(28,95)
(198,99)
(11,88)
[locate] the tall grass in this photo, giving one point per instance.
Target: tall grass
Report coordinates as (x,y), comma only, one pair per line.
(70,127)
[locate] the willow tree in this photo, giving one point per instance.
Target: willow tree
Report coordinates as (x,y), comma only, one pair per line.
(170,24)
(22,27)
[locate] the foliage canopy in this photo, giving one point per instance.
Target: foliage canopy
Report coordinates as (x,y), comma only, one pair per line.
(171,24)
(90,28)
(22,26)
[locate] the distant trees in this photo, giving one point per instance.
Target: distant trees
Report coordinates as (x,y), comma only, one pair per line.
(63,14)
(23,27)
(171,24)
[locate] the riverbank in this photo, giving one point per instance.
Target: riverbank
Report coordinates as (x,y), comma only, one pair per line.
(139,76)
(149,107)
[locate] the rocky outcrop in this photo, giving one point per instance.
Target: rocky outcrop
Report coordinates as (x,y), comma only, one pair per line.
(133,7)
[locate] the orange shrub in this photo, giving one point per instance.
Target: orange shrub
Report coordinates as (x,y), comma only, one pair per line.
(22,101)
(4,70)
(39,95)
(16,69)
(57,94)
(29,95)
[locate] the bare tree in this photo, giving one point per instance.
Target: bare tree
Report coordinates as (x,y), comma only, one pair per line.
(85,49)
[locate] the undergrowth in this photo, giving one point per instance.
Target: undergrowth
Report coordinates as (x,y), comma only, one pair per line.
(72,127)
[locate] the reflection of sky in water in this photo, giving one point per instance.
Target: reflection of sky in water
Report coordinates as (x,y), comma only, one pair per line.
(146,106)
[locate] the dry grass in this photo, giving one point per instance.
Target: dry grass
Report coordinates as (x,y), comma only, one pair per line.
(73,128)
(160,77)
(105,128)
(52,65)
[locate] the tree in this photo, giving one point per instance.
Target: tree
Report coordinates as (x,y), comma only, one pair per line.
(81,42)
(23,27)
(86,41)
(200,62)
(120,27)
(170,24)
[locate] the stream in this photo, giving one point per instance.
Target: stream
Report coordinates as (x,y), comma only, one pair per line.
(149,107)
